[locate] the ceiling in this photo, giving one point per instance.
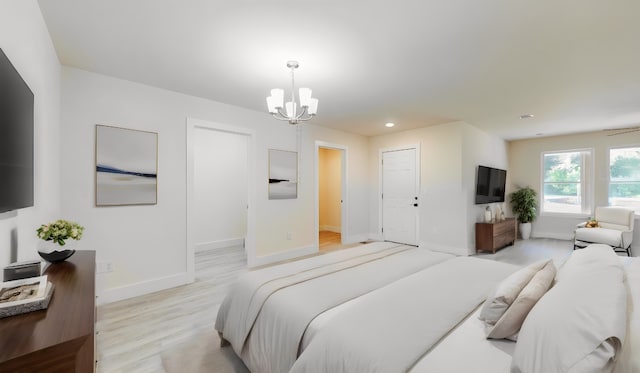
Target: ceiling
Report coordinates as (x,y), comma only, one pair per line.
(574,64)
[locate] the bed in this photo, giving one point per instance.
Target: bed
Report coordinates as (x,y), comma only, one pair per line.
(385,307)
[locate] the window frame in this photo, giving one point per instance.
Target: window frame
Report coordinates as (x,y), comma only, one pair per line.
(637,212)
(587,173)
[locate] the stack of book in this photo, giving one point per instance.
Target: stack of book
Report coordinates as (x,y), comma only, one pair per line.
(25,295)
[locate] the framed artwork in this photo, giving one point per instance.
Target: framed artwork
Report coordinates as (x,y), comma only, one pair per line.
(283,174)
(126,166)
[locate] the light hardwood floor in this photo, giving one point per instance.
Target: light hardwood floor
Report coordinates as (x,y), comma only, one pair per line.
(329,240)
(134,334)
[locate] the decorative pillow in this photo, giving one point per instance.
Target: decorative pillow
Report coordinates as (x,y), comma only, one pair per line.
(510,322)
(507,291)
(578,326)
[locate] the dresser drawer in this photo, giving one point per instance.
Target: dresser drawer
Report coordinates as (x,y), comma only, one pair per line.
(504,227)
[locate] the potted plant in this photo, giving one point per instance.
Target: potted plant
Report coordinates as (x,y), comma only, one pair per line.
(524,203)
(53,246)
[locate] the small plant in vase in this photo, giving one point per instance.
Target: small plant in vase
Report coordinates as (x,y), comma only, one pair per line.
(54,236)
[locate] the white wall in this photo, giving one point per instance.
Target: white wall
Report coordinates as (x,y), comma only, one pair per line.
(147,244)
(220,188)
(449,154)
(524,166)
(26,42)
(480,148)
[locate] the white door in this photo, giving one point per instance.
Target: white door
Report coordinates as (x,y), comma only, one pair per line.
(400,196)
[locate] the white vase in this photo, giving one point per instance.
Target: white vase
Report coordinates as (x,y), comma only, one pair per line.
(53,252)
(525,230)
(487,215)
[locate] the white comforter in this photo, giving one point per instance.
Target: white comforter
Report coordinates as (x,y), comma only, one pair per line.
(629,359)
(389,330)
(267,311)
(407,324)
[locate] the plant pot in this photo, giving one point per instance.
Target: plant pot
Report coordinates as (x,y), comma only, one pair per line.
(525,230)
(54,253)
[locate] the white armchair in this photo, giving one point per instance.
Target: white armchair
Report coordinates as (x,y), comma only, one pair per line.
(615,229)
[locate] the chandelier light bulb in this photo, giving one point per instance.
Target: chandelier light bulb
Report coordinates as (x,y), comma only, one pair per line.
(290,111)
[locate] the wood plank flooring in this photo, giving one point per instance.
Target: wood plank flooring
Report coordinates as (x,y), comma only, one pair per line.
(329,240)
(133,334)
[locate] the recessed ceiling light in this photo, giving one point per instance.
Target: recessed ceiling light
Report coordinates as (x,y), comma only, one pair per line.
(389,124)
(526,116)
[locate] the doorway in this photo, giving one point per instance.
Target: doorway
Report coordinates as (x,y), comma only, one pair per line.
(220,189)
(330,196)
(399,186)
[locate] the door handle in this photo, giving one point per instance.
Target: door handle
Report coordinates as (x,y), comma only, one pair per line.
(415,205)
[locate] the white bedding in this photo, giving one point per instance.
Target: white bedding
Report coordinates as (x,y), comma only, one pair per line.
(466,349)
(267,311)
(463,349)
(481,355)
(390,329)
(629,360)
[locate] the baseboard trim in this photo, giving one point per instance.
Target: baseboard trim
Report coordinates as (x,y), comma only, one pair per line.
(557,236)
(282,256)
(219,244)
(330,228)
(142,288)
(375,237)
(355,239)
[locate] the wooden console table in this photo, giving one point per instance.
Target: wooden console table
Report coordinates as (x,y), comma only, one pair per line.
(60,338)
(495,235)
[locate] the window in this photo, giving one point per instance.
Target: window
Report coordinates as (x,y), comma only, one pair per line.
(566,184)
(624,177)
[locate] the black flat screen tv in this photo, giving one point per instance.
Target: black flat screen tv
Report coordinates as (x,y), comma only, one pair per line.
(490,185)
(16,139)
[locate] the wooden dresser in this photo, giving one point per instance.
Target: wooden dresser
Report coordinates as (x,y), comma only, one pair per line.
(60,338)
(495,235)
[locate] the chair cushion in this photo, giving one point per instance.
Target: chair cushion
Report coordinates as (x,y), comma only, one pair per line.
(611,237)
(613,217)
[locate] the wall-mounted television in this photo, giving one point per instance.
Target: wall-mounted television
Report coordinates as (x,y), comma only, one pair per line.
(16,139)
(490,183)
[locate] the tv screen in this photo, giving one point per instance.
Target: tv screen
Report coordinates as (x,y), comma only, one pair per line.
(16,139)
(490,185)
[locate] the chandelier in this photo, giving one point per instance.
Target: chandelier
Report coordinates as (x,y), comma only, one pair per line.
(289,111)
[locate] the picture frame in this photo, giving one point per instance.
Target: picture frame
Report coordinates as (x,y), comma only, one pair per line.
(283,174)
(126,166)
(25,295)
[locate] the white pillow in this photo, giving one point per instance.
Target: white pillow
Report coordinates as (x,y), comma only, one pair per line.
(507,291)
(510,322)
(579,324)
(582,259)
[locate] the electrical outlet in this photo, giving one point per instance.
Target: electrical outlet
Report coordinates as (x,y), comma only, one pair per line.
(104,267)
(288,235)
